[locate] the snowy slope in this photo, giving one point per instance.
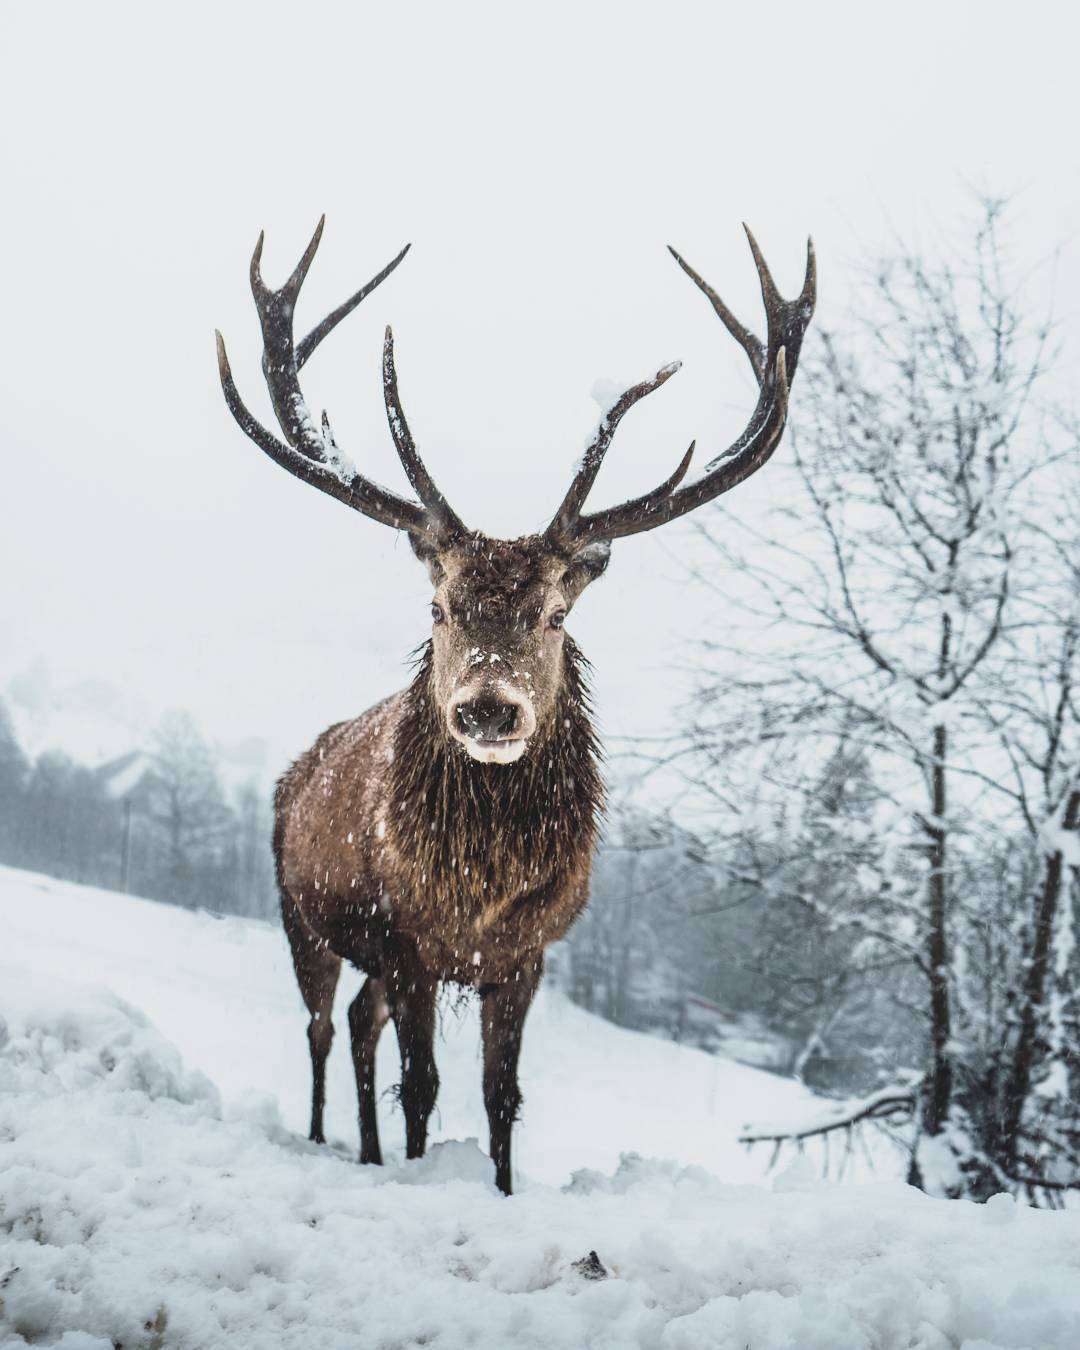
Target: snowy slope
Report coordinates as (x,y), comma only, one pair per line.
(142,1205)
(223,991)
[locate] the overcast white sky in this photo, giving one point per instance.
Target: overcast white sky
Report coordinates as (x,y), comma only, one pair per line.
(538,158)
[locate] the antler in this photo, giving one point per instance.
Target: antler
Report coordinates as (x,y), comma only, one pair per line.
(773,363)
(310,452)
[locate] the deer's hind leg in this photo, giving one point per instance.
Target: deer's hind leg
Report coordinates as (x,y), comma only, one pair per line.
(317,970)
(368,1014)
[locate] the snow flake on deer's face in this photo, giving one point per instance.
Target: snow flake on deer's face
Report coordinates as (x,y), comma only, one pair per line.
(497,642)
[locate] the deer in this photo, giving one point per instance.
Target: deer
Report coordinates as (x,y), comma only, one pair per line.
(446,835)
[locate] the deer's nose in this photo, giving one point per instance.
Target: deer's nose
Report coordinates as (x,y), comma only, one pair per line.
(486,719)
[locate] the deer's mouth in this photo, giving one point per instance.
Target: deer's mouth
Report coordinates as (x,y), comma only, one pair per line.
(504,751)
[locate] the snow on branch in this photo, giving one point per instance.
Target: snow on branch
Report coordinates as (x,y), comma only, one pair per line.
(1059,834)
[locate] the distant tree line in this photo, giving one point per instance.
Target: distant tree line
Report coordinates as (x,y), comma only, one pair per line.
(157,822)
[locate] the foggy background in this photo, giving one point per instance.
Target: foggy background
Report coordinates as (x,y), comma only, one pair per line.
(539,160)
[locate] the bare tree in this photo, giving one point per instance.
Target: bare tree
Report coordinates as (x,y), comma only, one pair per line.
(14,771)
(817,874)
(900,600)
(1033,1117)
(256,890)
(189,813)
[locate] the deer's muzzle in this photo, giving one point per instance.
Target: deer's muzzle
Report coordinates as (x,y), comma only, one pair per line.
(493,724)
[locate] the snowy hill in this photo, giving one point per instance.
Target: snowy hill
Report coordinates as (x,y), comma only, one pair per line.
(222,990)
(156,1194)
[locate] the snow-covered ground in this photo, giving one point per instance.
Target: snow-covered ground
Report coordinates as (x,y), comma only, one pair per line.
(156,1189)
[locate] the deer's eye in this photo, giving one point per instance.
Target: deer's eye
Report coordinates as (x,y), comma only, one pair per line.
(437,615)
(558,618)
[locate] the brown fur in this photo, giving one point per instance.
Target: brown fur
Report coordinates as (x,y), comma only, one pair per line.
(400,853)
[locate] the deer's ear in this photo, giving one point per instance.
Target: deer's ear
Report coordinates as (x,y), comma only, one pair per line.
(589,564)
(426,551)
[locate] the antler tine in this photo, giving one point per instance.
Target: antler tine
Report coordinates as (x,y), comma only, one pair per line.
(422,482)
(312,455)
(786,320)
(750,344)
(291,289)
(563,522)
(769,294)
(275,310)
(332,478)
(724,472)
(773,363)
(648,502)
(308,345)
(300,271)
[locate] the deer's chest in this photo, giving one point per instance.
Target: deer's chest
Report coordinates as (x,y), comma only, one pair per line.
(471,926)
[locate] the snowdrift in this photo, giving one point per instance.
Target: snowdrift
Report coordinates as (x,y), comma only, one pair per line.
(144,1205)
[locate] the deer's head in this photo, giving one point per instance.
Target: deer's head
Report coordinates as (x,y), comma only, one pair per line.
(498,606)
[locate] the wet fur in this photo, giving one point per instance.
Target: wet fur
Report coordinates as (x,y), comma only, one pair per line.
(504,839)
(386,830)
(397,851)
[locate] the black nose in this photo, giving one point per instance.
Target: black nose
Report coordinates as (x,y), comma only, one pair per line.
(486,720)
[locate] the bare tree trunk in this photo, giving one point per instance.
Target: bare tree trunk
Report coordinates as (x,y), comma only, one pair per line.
(625,970)
(1018,1085)
(939,1095)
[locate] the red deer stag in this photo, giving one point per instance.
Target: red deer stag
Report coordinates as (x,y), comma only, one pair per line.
(447,834)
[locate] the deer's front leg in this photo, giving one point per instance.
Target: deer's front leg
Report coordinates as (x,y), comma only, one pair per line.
(412,994)
(503,1019)
(367,1017)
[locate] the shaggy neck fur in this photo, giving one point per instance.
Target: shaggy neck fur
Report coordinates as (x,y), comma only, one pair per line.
(491,832)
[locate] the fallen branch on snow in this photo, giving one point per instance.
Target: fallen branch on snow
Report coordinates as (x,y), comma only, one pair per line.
(878,1105)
